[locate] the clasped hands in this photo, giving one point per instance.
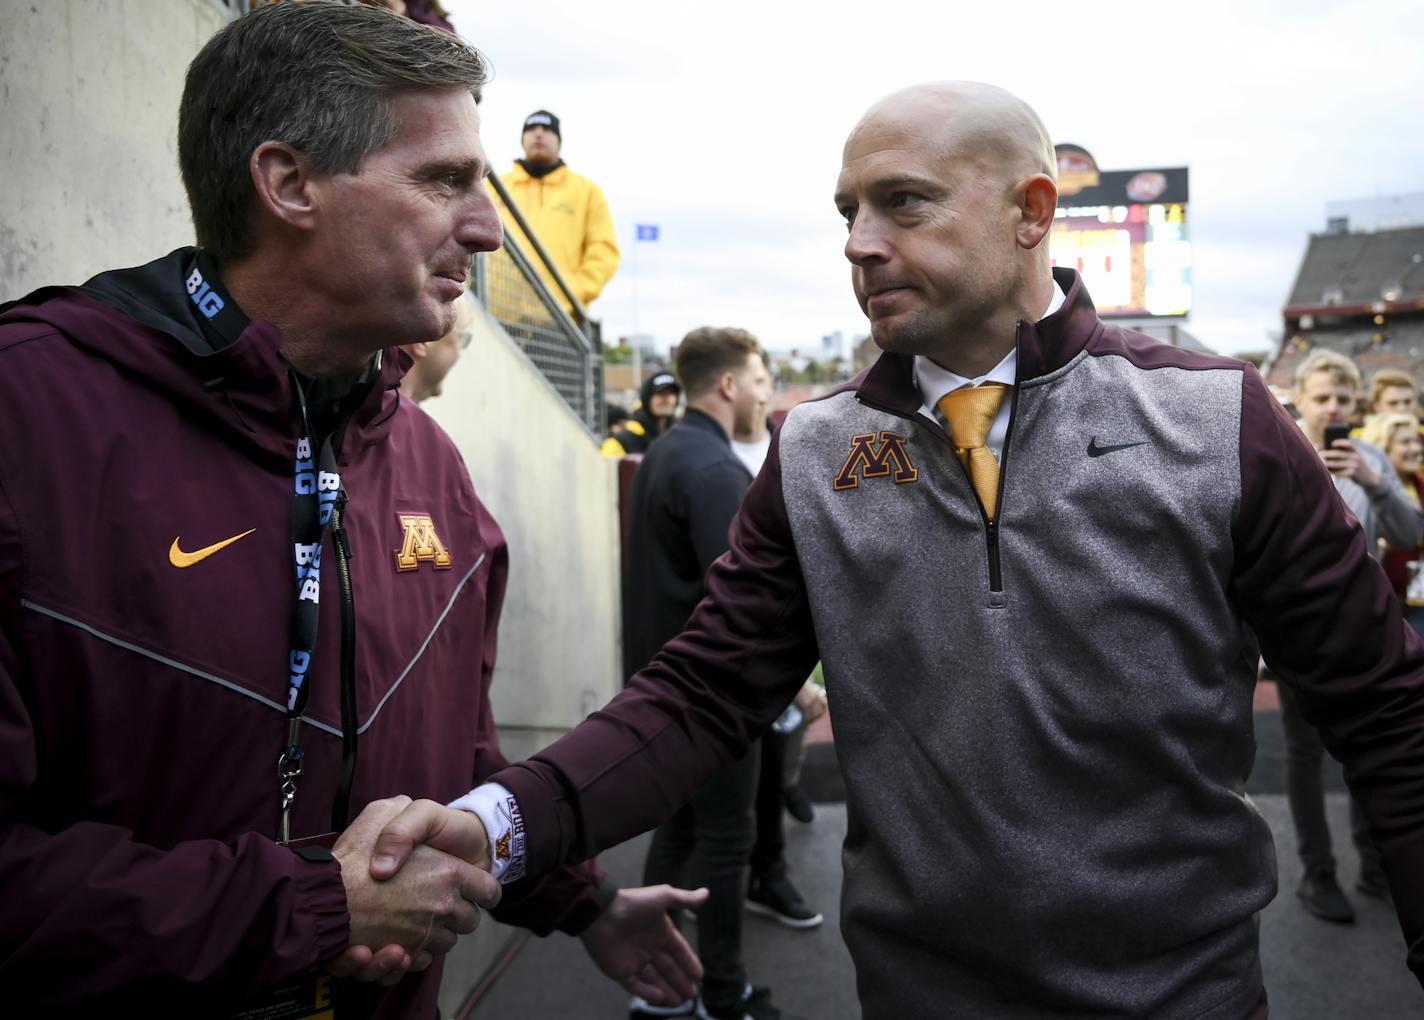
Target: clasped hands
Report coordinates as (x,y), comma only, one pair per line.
(416,873)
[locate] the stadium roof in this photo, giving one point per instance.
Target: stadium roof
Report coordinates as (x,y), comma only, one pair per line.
(1352,273)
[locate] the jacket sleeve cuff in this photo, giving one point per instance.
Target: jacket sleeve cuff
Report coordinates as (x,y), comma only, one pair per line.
(321,901)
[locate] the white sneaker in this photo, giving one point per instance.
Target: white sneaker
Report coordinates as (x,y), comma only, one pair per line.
(642,1009)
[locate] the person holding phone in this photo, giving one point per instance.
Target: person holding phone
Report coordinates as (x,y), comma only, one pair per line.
(1327,388)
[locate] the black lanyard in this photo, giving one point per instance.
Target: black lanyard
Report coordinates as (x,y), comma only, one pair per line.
(316,485)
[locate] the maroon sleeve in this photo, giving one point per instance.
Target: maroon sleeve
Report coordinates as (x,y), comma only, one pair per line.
(567,899)
(698,705)
(1330,626)
(87,910)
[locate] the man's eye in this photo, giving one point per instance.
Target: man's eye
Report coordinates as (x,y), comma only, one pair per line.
(847,214)
(902,199)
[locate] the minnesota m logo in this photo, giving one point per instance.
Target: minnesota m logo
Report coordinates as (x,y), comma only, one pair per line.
(867,461)
(421,543)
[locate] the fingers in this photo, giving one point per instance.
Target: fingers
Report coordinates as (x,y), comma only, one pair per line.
(463,917)
(687,899)
(349,962)
(410,828)
(386,967)
(425,822)
(661,980)
(481,889)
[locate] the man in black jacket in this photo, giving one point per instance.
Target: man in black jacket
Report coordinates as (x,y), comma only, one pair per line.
(685,494)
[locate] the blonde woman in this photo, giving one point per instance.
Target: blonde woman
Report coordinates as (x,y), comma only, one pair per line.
(1398,436)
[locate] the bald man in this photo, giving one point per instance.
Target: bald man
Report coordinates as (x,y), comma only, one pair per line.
(1036,553)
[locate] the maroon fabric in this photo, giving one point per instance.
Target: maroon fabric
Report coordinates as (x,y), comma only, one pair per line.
(138,798)
(1322,608)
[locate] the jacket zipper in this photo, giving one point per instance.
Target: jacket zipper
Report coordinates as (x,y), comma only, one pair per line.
(991,524)
(340,809)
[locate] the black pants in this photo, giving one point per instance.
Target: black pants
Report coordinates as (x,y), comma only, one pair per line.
(1305,789)
(706,844)
(770,804)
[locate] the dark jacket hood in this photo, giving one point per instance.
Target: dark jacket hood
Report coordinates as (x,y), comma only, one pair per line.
(142,322)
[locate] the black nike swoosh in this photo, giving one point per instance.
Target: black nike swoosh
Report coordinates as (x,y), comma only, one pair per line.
(1094,450)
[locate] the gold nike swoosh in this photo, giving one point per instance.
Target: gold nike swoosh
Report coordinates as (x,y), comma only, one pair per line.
(180,559)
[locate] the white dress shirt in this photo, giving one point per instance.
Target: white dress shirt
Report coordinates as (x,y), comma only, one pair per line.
(934,381)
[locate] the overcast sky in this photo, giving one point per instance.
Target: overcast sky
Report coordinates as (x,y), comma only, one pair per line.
(723,125)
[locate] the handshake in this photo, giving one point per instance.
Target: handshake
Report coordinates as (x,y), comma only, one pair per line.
(416,874)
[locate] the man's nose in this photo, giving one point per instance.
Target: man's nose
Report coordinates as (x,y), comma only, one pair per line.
(480,228)
(866,241)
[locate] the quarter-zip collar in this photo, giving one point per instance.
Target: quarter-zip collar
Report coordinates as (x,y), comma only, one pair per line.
(1043,347)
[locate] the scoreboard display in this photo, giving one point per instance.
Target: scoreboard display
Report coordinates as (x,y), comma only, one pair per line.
(1125,232)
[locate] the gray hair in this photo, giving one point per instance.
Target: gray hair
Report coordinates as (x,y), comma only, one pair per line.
(317,76)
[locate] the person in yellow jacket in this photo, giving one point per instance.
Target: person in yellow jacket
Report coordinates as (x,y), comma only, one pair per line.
(567,212)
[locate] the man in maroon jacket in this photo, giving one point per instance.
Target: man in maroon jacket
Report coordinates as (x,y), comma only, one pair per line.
(189,447)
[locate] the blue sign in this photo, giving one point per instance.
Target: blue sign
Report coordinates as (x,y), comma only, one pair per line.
(647,231)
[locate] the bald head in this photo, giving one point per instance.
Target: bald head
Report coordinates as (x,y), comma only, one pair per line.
(968,120)
(948,191)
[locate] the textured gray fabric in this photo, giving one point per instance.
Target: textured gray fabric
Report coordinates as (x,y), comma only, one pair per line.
(1044,783)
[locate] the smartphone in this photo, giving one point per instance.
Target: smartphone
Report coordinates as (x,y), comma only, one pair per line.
(1334,432)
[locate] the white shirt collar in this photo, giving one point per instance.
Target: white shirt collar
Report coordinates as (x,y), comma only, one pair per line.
(934,381)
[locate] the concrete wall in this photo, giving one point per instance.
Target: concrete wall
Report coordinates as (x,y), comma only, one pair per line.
(556,499)
(89,90)
(539,472)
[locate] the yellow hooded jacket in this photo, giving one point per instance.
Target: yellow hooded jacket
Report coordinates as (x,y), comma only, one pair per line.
(570,216)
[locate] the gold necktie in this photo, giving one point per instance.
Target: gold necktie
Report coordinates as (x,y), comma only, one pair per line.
(970,412)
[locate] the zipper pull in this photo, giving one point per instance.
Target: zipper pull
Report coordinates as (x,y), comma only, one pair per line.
(338,525)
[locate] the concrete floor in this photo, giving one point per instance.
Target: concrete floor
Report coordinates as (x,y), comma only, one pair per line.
(1314,970)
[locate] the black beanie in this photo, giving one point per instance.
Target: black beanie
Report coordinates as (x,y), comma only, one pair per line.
(542,118)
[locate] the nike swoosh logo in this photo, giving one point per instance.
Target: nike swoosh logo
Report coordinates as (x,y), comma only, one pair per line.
(180,559)
(1094,450)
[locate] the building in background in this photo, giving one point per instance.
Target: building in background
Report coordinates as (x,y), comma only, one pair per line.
(1359,289)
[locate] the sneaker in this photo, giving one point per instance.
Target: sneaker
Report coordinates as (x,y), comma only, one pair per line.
(772,895)
(755,1004)
(642,1009)
(1373,883)
(1323,897)
(798,805)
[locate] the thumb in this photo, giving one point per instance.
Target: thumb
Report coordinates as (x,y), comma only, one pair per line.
(686,899)
(414,826)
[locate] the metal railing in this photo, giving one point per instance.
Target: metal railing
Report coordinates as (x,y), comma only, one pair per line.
(559,337)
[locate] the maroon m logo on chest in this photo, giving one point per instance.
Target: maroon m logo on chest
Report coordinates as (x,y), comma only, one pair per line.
(869,460)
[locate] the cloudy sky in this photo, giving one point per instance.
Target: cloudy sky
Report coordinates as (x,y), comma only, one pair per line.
(723,124)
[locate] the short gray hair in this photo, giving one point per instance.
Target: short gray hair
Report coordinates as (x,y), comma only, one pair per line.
(316,75)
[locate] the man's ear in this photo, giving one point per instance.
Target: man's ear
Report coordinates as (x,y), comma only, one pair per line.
(283,179)
(1037,198)
(727,384)
(418,351)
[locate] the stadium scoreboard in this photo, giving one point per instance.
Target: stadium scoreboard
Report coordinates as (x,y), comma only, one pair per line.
(1125,232)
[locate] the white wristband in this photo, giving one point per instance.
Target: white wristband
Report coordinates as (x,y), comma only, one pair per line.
(504,825)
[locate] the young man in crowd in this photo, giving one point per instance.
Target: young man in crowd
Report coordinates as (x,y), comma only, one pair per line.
(655,414)
(1327,390)
(566,211)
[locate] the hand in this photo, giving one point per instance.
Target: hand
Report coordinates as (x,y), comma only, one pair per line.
(811,699)
(426,823)
(636,944)
(1345,460)
(414,917)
